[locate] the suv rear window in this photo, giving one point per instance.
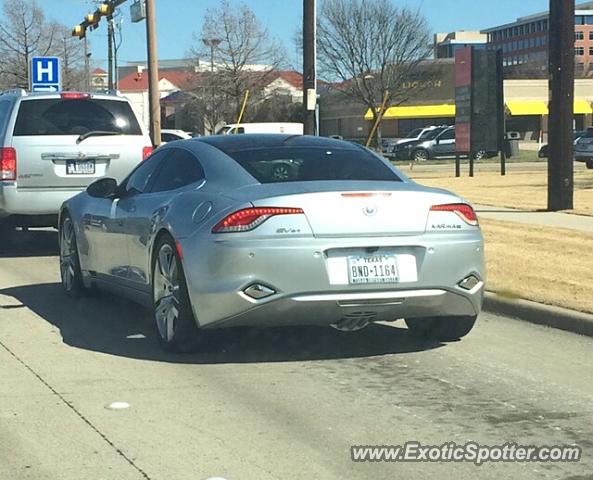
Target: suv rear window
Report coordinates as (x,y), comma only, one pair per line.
(75,117)
(303,164)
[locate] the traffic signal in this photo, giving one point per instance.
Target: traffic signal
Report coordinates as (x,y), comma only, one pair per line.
(79,31)
(92,18)
(106,9)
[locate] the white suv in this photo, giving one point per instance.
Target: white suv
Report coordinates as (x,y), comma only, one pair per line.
(52,146)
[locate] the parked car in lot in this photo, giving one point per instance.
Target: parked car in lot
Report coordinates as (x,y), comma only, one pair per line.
(170,135)
(583,148)
(208,237)
(436,143)
(420,133)
(52,146)
(543,151)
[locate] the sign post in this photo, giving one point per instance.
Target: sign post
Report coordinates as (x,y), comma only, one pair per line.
(45,74)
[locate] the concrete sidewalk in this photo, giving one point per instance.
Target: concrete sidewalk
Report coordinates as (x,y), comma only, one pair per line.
(581,223)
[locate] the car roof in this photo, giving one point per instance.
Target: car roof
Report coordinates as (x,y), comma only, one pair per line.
(25,95)
(232,143)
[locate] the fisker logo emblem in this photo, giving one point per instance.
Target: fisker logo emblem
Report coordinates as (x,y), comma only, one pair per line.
(81,156)
(370,210)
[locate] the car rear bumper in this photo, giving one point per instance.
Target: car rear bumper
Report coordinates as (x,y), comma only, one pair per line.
(32,201)
(306,288)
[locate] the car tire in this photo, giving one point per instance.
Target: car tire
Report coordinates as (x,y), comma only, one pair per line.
(443,329)
(70,271)
(480,155)
(172,312)
(589,164)
(420,155)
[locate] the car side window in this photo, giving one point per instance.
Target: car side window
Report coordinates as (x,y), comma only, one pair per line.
(139,179)
(448,135)
(181,168)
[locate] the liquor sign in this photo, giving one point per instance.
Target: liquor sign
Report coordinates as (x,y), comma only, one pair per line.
(463,99)
(478,100)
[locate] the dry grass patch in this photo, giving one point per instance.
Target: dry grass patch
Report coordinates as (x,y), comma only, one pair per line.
(547,265)
(524,190)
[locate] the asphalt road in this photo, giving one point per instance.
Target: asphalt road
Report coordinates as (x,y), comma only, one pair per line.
(275,404)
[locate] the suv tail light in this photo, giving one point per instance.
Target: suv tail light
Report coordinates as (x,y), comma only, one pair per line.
(462,210)
(250,218)
(147,152)
(7,164)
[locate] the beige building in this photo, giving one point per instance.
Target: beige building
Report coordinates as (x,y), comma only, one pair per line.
(446,44)
(526,103)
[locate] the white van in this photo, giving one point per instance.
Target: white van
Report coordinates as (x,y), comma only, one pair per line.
(233,128)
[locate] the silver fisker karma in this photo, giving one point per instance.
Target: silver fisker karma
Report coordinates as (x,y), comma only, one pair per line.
(275,230)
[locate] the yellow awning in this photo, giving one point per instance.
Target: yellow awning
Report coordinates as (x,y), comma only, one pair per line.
(582,107)
(527,107)
(417,111)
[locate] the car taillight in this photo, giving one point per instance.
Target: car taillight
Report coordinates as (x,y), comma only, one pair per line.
(7,164)
(250,218)
(147,152)
(463,211)
(75,96)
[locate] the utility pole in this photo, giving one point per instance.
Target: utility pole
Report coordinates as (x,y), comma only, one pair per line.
(153,78)
(110,52)
(309,66)
(561,52)
(87,66)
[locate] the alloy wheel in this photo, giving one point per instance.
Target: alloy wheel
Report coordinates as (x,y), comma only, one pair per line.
(68,255)
(166,292)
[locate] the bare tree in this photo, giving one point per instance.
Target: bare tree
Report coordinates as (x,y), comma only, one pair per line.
(372,48)
(245,54)
(71,51)
(24,33)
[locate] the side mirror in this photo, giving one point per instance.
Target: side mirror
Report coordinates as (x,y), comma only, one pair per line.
(102,188)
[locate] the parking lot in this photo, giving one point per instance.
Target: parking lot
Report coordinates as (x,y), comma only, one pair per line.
(267,403)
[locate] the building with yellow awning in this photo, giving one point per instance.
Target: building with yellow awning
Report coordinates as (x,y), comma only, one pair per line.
(526,107)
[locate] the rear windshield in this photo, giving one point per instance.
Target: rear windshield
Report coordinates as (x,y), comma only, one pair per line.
(304,164)
(75,117)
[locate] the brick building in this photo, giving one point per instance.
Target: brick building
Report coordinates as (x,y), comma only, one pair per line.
(525,41)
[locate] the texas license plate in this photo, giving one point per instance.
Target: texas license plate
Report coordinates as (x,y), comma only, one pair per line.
(373,269)
(80,168)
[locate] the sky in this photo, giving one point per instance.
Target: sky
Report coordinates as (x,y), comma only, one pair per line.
(177,20)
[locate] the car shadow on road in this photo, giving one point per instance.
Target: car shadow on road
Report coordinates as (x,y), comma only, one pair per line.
(32,243)
(107,324)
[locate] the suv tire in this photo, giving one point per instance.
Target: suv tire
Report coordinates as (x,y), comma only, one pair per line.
(420,155)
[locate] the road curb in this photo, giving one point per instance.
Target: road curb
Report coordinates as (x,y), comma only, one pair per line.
(533,312)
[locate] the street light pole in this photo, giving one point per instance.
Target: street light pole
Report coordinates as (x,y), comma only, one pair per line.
(309,66)
(212,43)
(153,78)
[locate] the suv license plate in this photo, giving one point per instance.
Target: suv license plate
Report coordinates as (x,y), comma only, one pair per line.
(373,269)
(80,168)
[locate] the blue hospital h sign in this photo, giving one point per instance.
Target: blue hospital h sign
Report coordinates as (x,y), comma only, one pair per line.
(45,74)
